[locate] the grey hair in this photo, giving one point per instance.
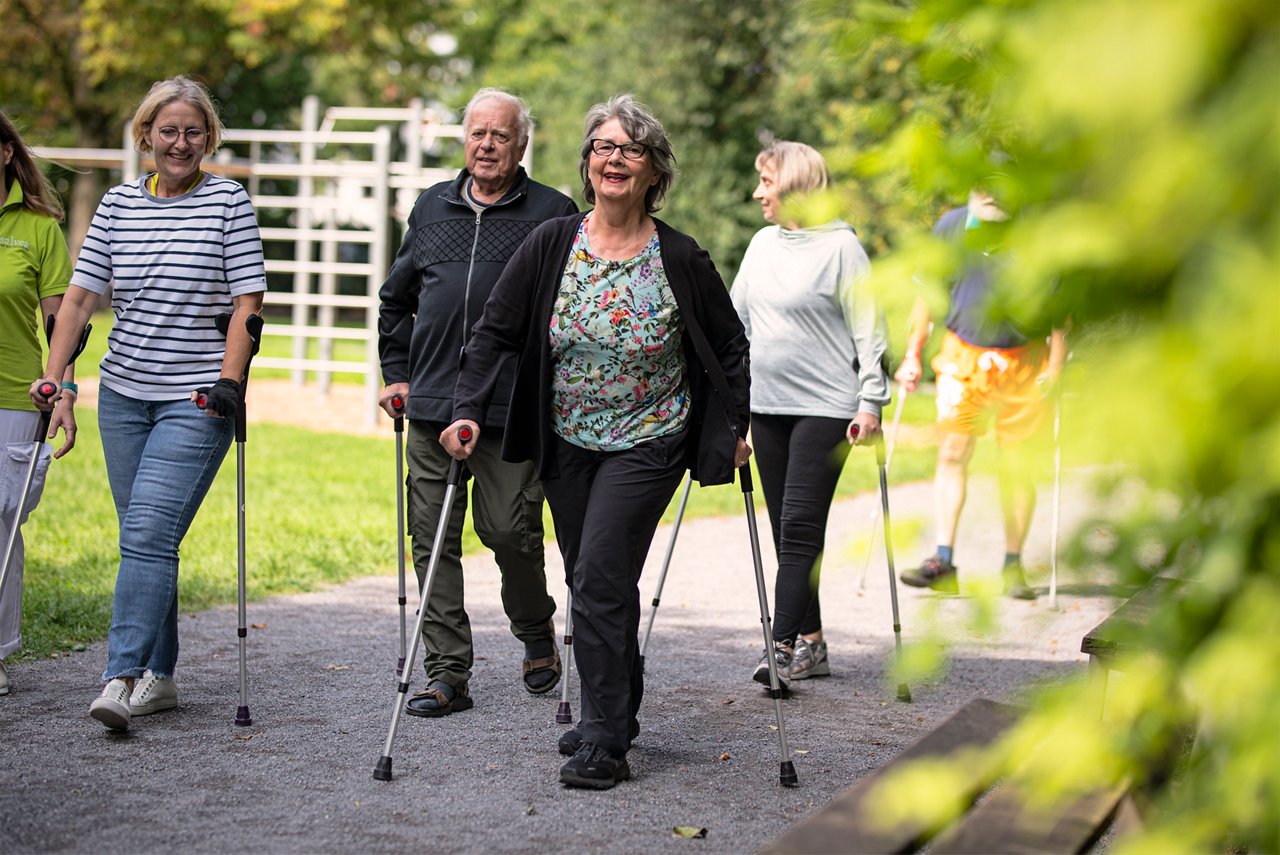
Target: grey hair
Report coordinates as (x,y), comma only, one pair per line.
(524,119)
(641,125)
(165,92)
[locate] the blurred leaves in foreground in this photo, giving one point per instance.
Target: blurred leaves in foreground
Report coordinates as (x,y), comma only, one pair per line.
(1138,142)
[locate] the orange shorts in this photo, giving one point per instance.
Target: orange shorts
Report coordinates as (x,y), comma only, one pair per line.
(975,383)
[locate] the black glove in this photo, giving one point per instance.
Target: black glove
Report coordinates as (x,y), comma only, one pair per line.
(222,398)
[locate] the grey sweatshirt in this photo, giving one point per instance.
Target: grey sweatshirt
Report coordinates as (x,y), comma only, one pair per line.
(817,336)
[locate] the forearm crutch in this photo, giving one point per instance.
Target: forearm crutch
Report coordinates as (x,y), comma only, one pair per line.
(888,461)
(787,770)
(882,463)
(397,404)
(253,326)
(564,712)
(1057,499)
(382,770)
(666,564)
(47,390)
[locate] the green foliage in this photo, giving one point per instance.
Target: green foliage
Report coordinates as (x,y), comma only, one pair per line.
(1145,168)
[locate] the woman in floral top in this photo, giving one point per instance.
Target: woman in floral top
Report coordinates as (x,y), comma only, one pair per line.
(632,368)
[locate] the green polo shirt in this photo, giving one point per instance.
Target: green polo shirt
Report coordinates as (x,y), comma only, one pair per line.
(34,264)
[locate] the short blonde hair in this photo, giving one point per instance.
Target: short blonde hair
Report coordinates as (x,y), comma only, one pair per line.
(165,92)
(799,168)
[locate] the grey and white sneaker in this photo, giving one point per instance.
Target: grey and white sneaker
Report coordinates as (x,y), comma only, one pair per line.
(112,706)
(782,657)
(152,694)
(810,660)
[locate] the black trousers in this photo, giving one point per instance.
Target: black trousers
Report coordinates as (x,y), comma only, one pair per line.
(606,506)
(799,458)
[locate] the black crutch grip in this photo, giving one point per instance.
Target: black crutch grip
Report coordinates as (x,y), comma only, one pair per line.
(47,389)
(744,475)
(397,404)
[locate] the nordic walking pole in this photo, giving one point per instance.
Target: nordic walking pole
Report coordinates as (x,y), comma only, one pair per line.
(787,770)
(888,461)
(1057,498)
(47,390)
(564,712)
(666,565)
(382,770)
(253,326)
(904,693)
(397,404)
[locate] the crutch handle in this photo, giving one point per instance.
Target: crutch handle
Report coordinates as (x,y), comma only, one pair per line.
(202,400)
(397,404)
(852,433)
(744,475)
(47,389)
(464,434)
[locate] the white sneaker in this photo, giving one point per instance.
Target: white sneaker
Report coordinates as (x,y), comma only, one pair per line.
(152,694)
(4,679)
(112,706)
(810,660)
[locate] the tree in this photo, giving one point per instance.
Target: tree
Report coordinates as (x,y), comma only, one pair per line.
(1144,163)
(259,59)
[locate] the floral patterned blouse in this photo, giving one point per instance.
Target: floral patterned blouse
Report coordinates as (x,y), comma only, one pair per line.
(618,369)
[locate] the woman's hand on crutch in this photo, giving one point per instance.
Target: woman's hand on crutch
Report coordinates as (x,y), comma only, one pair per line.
(863,430)
(741,454)
(459,439)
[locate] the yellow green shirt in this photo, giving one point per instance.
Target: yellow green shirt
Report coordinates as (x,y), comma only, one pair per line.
(34,264)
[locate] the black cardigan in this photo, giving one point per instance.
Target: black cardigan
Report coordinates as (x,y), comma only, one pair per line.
(515,325)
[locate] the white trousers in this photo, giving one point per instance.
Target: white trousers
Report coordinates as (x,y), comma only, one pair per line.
(17,439)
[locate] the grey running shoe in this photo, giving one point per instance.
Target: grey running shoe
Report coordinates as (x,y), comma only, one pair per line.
(783,655)
(810,660)
(936,572)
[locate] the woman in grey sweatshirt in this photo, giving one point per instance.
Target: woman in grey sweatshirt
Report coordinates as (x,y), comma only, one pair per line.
(817,357)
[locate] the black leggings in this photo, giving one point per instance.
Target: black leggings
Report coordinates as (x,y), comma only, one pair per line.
(799,458)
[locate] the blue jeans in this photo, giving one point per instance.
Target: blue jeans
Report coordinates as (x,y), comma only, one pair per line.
(161,458)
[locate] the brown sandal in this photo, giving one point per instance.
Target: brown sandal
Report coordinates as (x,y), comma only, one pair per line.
(540,666)
(432,702)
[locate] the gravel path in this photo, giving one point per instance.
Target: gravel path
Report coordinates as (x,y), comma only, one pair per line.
(321,668)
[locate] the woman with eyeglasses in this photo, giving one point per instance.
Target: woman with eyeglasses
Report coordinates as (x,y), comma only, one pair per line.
(178,247)
(804,294)
(631,369)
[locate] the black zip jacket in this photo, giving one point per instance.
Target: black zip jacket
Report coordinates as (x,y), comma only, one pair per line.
(518,315)
(448,263)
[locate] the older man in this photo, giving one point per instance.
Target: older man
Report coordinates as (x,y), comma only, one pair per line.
(460,235)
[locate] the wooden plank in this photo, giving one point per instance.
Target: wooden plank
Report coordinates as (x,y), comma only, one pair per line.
(1002,824)
(842,826)
(1114,636)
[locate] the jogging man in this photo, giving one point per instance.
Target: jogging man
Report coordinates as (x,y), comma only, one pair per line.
(460,235)
(986,367)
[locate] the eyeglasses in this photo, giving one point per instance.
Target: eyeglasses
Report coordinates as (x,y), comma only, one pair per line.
(631,150)
(195,136)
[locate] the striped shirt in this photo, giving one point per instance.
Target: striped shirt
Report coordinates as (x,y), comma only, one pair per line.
(174,265)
